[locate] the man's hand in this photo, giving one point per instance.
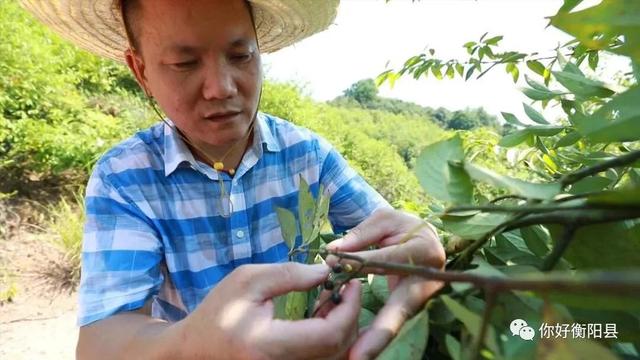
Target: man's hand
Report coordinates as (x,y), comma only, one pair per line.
(387,229)
(235,320)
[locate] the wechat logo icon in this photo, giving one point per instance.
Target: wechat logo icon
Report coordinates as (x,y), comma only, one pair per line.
(520,328)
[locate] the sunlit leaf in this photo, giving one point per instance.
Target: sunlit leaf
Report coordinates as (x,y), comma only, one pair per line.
(536,66)
(582,86)
(514,186)
(288,226)
(440,179)
(473,227)
(617,120)
(598,25)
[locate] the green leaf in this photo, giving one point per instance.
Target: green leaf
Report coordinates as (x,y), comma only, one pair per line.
(594,58)
(515,138)
(494,40)
(365,318)
(536,66)
(436,71)
(617,120)
(472,322)
(288,226)
(582,86)
(534,115)
(537,239)
(460,69)
(596,26)
(368,298)
(440,179)
(473,227)
(569,139)
(453,347)
(536,94)
(514,186)
(575,349)
(512,119)
(620,197)
(590,184)
(411,341)
(569,5)
(513,70)
(306,210)
(599,302)
(450,72)
(291,306)
(603,246)
(380,287)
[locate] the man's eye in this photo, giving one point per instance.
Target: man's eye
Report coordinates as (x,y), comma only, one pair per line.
(184,65)
(241,58)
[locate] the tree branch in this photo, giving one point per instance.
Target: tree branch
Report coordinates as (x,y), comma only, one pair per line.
(618,161)
(615,282)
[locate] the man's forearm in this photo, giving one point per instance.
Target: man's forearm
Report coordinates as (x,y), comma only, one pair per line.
(131,336)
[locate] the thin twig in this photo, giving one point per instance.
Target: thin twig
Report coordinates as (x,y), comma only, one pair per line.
(618,161)
(561,246)
(619,282)
(490,301)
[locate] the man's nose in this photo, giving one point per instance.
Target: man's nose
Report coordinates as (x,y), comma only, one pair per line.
(219,82)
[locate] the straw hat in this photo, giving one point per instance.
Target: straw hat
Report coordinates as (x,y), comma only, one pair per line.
(96,25)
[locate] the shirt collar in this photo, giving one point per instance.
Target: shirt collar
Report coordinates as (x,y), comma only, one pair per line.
(177,153)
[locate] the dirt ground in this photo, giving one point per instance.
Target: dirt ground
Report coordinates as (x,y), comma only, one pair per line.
(39,323)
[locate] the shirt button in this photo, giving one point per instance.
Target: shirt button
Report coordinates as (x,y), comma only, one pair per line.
(240,234)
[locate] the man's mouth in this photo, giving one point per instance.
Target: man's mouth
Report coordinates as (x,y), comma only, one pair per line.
(222,116)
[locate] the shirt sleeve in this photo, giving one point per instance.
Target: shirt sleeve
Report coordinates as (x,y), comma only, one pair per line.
(121,253)
(352,198)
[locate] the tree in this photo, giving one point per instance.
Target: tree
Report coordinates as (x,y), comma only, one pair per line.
(563,249)
(363,91)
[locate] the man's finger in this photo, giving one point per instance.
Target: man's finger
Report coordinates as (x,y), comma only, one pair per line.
(369,232)
(410,294)
(270,280)
(415,251)
(326,336)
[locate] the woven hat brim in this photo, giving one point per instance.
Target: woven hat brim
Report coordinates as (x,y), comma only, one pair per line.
(97,25)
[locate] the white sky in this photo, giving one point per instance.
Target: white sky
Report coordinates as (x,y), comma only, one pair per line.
(369,33)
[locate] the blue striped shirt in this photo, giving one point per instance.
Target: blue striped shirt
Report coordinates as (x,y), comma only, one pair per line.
(154,229)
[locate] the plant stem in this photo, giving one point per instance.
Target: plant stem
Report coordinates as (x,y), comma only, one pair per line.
(490,301)
(552,259)
(618,161)
(623,283)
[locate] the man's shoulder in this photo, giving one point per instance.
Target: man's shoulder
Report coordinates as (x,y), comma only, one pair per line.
(144,149)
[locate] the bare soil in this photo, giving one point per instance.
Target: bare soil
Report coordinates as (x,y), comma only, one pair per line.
(39,322)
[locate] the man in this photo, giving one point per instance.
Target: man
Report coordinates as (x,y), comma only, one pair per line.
(182,251)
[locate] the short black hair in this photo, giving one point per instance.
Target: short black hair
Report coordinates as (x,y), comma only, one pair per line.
(130,7)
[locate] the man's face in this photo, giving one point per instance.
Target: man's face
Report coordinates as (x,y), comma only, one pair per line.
(200,61)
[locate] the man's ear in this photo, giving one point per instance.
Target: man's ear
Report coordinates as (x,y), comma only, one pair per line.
(136,65)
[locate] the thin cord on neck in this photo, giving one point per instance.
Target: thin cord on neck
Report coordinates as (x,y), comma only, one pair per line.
(215,164)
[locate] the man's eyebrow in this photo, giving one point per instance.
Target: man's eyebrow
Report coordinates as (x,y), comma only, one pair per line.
(182,49)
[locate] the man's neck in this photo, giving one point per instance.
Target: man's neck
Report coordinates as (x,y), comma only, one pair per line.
(209,153)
